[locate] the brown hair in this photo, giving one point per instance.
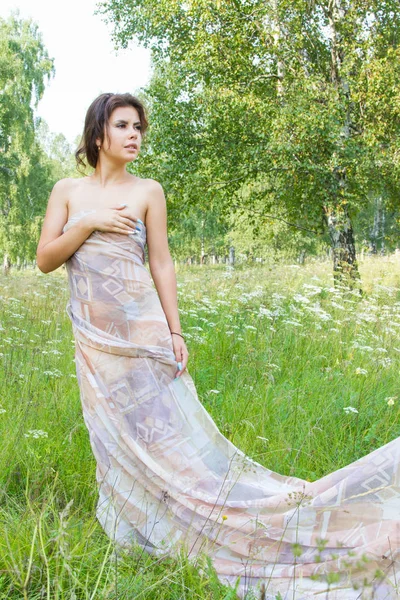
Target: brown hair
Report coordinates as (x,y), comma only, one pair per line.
(97,119)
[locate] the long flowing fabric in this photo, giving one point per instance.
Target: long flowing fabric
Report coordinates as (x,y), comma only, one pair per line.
(167,477)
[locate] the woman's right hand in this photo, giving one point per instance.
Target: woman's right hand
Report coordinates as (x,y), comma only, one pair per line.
(111,220)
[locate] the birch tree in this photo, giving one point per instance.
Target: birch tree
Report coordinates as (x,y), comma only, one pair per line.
(276,96)
(24,172)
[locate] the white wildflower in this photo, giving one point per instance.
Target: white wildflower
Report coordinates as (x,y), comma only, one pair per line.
(336,305)
(360,371)
(313,289)
(300,298)
(292,322)
(264,311)
(390,400)
(384,362)
(36,433)
(273,366)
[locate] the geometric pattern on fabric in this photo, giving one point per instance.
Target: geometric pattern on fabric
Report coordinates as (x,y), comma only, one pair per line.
(168,478)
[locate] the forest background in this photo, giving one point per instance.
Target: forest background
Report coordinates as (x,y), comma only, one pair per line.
(273,128)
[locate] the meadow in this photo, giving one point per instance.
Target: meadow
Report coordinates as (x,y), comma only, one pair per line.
(300,375)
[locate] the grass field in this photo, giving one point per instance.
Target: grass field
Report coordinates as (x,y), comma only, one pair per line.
(304,378)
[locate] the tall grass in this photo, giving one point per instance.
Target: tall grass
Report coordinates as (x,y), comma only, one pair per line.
(299,375)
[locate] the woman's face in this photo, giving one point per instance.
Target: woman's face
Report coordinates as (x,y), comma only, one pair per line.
(125,134)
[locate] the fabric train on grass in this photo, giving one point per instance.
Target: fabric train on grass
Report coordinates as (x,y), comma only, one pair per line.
(169,480)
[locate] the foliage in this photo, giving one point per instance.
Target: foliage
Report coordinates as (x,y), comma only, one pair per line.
(324,134)
(25,178)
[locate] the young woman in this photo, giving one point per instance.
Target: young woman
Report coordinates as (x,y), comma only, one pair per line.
(167,477)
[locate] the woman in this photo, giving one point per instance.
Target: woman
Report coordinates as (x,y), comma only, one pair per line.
(167,477)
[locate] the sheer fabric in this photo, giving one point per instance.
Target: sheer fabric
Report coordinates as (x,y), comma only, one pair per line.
(168,478)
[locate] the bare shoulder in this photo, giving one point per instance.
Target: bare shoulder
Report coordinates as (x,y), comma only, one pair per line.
(152,184)
(58,203)
(65,184)
(59,193)
(154,192)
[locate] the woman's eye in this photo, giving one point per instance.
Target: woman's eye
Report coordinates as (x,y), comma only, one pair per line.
(123,125)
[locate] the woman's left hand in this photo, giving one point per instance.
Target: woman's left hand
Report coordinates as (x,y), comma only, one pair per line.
(181,353)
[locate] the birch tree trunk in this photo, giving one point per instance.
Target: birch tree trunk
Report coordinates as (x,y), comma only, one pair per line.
(382,233)
(202,248)
(6,264)
(345,267)
(378,228)
(276,33)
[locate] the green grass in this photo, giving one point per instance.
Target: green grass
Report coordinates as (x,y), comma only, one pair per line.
(277,355)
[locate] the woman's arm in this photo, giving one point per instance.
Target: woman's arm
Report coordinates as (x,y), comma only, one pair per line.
(55,247)
(162,267)
(160,261)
